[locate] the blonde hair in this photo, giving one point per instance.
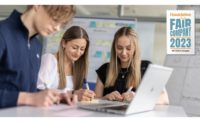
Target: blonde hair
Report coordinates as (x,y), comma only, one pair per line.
(134,75)
(59,13)
(80,67)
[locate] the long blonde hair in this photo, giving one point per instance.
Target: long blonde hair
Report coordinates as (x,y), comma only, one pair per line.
(80,67)
(134,75)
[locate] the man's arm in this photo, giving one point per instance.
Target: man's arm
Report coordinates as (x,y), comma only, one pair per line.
(8,98)
(8,91)
(2,48)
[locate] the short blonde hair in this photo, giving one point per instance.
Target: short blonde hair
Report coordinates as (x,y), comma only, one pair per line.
(59,13)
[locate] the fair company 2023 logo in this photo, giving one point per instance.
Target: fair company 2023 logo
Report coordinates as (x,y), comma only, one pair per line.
(180,32)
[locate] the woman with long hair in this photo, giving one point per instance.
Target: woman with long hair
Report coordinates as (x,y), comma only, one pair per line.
(67,69)
(119,79)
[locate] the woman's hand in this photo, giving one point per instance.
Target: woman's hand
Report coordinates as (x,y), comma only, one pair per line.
(114,96)
(66,98)
(84,94)
(128,96)
(163,98)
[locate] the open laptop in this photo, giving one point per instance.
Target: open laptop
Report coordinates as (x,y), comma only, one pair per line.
(149,90)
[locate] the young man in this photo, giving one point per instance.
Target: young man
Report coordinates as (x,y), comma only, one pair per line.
(20,54)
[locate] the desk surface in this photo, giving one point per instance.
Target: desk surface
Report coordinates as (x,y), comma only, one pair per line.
(72,111)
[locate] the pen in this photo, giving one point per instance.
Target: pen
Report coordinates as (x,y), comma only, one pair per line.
(88,88)
(46,87)
(129,89)
(86,84)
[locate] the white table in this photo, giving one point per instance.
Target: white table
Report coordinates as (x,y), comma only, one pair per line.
(72,111)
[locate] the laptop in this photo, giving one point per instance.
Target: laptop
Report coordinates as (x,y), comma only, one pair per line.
(153,82)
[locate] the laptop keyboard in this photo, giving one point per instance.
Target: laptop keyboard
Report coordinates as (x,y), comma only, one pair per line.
(100,103)
(118,108)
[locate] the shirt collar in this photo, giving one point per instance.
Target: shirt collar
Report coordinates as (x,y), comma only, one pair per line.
(15,19)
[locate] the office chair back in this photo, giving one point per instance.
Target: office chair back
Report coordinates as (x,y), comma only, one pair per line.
(144,66)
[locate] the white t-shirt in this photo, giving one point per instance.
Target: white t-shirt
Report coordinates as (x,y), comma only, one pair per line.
(48,74)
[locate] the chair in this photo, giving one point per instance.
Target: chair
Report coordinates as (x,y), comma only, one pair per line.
(144,66)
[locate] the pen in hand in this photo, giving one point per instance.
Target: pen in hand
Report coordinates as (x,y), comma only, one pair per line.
(86,84)
(130,89)
(88,88)
(46,88)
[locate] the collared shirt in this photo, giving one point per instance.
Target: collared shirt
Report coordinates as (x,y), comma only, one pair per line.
(20,59)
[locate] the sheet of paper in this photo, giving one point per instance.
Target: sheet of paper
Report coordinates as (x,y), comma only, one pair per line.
(61,107)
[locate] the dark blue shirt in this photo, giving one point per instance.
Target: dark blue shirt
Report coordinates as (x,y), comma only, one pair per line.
(20,59)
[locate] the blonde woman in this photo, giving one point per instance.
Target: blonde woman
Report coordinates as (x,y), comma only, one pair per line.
(67,69)
(119,79)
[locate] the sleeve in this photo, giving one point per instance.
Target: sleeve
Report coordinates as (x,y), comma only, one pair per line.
(47,71)
(8,91)
(102,72)
(2,47)
(8,97)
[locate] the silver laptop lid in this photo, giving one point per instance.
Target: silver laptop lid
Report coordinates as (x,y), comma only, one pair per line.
(152,84)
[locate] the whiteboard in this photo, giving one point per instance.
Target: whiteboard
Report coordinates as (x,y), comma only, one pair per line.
(101,33)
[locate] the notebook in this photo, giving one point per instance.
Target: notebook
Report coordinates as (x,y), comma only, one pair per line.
(153,82)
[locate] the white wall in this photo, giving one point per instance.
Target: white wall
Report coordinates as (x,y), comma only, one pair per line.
(184,85)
